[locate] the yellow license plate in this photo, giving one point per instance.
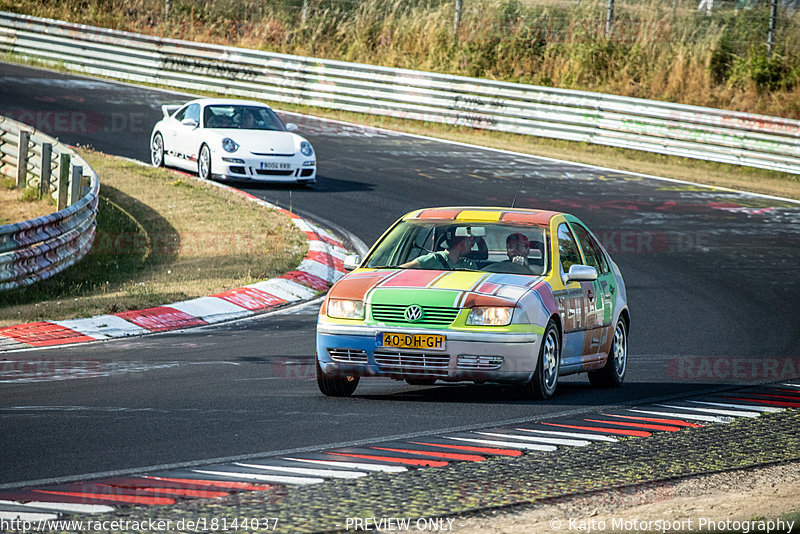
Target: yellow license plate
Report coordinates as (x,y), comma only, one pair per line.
(410,341)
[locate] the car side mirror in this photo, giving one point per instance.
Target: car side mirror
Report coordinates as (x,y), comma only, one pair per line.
(291,127)
(191,123)
(351,262)
(581,273)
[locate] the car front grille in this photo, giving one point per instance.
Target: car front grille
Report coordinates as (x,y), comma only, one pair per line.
(271,154)
(348,355)
(431,315)
(412,362)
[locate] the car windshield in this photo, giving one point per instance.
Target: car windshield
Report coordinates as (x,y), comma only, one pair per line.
(497,247)
(235,117)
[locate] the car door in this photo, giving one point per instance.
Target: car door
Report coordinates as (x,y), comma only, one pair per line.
(187,137)
(572,300)
(601,296)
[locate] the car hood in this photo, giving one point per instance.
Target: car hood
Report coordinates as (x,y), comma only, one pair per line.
(261,141)
(452,289)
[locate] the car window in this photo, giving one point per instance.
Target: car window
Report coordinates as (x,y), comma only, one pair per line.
(193,112)
(181,114)
(567,248)
(241,117)
(414,239)
(591,249)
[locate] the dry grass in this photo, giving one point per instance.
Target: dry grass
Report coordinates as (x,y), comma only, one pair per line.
(161,238)
(653,53)
(15,205)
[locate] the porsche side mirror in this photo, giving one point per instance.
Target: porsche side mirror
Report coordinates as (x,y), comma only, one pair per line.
(191,123)
(351,262)
(291,127)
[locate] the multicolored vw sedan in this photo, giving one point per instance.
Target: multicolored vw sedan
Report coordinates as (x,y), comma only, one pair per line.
(477,294)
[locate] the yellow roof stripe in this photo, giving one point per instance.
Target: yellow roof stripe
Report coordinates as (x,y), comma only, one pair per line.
(461,280)
(476,215)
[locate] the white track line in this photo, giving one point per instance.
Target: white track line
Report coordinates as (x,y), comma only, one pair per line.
(354,465)
(763,409)
(327,473)
(508,444)
(690,416)
(549,441)
(590,437)
(263,478)
(27,516)
(64,506)
(732,413)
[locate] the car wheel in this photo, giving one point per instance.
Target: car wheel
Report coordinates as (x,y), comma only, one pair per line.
(613,372)
(204,163)
(420,381)
(157,151)
(545,378)
(336,386)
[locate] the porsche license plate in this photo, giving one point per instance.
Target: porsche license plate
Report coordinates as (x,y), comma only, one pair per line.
(275,165)
(410,341)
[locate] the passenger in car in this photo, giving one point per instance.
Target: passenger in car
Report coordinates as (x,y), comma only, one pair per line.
(518,248)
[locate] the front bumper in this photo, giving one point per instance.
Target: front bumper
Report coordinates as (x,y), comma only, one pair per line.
(468,356)
(266,169)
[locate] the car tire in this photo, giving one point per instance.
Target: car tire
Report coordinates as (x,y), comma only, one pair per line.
(613,372)
(336,386)
(542,385)
(420,381)
(157,150)
(204,163)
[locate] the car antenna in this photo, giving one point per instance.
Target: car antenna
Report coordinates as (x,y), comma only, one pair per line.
(518,188)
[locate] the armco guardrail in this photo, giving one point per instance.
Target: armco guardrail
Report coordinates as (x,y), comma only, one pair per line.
(39,248)
(695,132)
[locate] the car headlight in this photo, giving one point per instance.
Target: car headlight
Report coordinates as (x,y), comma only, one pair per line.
(490,316)
(305,149)
(346,309)
(230,145)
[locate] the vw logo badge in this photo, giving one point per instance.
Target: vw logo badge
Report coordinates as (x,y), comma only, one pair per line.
(413,313)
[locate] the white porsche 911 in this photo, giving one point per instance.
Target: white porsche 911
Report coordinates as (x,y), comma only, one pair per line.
(232,139)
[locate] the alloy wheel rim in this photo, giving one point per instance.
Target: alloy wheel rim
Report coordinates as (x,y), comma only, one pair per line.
(620,349)
(550,356)
(204,163)
(157,150)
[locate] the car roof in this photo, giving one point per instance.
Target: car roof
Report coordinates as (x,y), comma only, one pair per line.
(484,214)
(226,102)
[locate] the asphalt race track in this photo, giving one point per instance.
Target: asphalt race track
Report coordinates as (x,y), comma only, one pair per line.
(711,277)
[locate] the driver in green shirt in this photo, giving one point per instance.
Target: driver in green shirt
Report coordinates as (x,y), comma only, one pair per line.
(459,243)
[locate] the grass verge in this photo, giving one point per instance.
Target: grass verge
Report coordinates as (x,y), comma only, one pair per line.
(21,204)
(160,238)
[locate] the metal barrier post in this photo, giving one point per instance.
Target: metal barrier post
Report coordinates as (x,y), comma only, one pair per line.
(75,184)
(47,169)
(63,181)
(22,158)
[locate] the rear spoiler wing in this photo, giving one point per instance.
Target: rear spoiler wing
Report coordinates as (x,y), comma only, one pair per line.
(169,109)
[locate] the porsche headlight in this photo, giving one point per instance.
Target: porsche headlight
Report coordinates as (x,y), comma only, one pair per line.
(305,149)
(230,145)
(490,316)
(346,309)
